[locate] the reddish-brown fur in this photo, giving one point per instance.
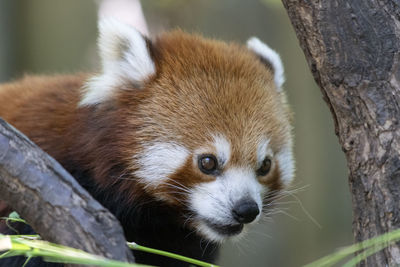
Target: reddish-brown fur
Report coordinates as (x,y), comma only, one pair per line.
(201,87)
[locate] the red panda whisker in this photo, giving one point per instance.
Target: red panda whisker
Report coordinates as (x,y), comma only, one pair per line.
(273,212)
(214,248)
(177,187)
(285,193)
(271,197)
(306,211)
(239,247)
(178,193)
(192,232)
(269,210)
(268,215)
(181,185)
(120,177)
(157,184)
(295,190)
(170,196)
(205,248)
(286,202)
(285,213)
(188,219)
(267,219)
(260,233)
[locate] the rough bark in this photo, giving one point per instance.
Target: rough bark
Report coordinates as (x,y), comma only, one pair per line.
(53,203)
(352,48)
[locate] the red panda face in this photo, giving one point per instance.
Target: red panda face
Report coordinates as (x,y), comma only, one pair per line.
(209,129)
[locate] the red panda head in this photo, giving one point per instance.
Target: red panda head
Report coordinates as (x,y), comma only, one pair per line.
(206,125)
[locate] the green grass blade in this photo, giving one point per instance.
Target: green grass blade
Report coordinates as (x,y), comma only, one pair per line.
(382,240)
(135,246)
(29,246)
(8,219)
(56,253)
(363,255)
(27,261)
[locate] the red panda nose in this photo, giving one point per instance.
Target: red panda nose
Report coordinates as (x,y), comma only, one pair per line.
(245,211)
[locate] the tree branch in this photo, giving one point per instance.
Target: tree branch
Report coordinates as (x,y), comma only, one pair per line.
(51,200)
(352,48)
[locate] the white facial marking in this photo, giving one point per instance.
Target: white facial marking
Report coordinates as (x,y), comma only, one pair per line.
(223,148)
(214,200)
(158,161)
(263,151)
(271,56)
(125,59)
(286,164)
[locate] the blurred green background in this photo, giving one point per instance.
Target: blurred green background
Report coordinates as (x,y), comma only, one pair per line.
(58,36)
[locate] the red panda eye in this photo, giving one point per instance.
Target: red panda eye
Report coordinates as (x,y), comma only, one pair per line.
(208,163)
(265,167)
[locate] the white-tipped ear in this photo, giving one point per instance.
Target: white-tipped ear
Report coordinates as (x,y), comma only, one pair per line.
(125,59)
(271,57)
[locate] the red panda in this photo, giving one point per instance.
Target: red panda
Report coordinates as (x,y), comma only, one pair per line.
(186,140)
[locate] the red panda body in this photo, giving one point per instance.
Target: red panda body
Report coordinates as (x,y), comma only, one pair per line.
(185,140)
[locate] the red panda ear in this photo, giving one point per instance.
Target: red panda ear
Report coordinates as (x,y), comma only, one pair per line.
(270,58)
(125,59)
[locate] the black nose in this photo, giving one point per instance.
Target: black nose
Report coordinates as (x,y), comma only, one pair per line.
(245,211)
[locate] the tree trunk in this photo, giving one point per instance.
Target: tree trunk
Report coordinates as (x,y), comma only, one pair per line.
(53,202)
(352,48)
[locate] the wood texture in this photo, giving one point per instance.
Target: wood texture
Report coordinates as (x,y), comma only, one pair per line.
(352,48)
(53,203)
